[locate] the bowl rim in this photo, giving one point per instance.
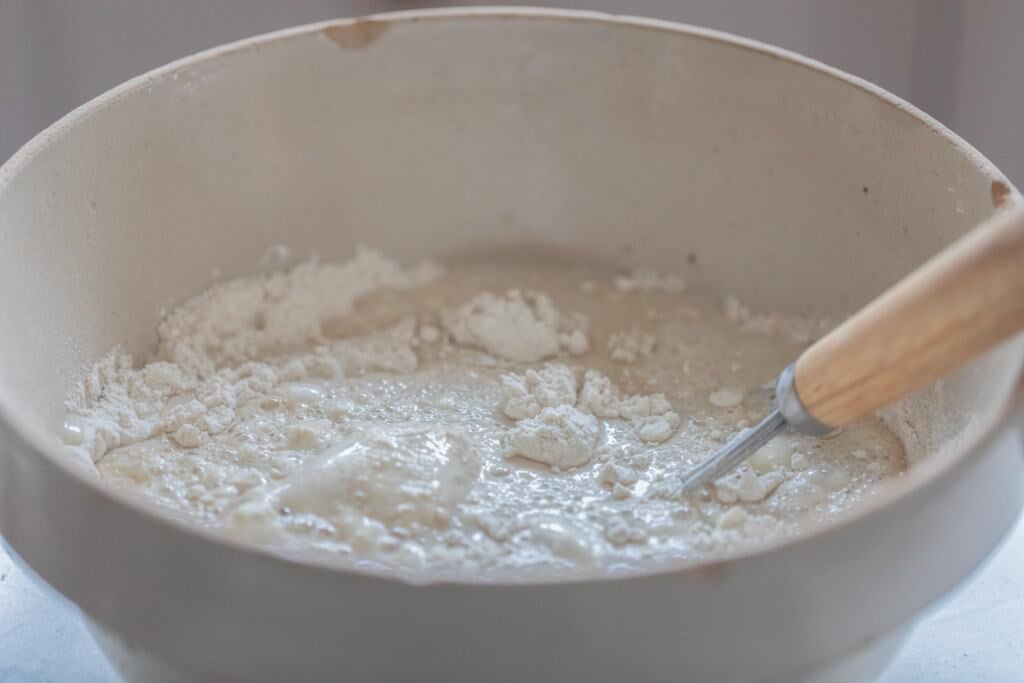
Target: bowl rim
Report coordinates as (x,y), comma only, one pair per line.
(32,437)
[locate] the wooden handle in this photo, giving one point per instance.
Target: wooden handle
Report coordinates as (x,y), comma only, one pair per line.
(960,303)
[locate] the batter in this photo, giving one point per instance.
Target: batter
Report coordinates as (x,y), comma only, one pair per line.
(489,420)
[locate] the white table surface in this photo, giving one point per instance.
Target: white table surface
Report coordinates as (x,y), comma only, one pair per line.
(978,635)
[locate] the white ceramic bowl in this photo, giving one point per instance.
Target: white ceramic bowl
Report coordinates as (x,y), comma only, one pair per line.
(458,132)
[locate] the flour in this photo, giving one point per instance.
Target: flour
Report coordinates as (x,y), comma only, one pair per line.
(629,346)
(747,486)
(773,456)
(799,330)
(732,518)
(652,416)
(555,385)
(647,279)
(207,344)
(614,474)
(561,437)
(461,422)
(621,530)
(728,397)
(526,395)
(518,326)
(562,538)
(250,317)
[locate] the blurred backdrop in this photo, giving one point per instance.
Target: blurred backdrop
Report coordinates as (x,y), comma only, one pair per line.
(960,60)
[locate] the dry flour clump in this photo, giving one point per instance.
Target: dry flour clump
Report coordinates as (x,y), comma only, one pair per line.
(630,346)
(518,326)
(747,486)
(208,347)
(651,415)
(390,350)
(527,394)
(561,437)
(799,330)
(246,318)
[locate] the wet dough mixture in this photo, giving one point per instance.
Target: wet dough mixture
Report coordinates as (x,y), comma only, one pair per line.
(482,420)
